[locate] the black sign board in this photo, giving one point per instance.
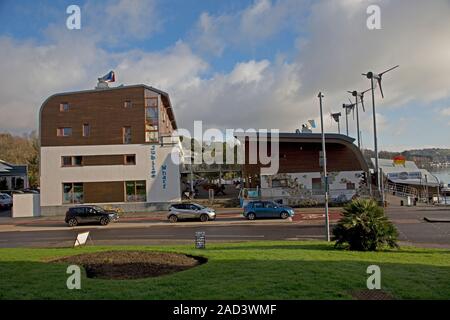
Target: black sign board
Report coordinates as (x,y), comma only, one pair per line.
(200,240)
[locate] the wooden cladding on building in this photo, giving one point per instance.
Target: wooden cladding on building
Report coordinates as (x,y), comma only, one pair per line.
(304,157)
(104,160)
(98,160)
(102,110)
(296,157)
(104,192)
(98,117)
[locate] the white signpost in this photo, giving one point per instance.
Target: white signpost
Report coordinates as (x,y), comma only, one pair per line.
(82,239)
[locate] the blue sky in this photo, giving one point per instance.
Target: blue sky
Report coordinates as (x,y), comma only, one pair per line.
(238,64)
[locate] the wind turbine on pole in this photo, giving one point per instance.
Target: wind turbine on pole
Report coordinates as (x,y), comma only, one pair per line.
(359,95)
(348,109)
(378,77)
(336,116)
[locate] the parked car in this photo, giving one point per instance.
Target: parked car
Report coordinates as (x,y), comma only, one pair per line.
(12,192)
(267,209)
(90,214)
(5,201)
(35,191)
(186,211)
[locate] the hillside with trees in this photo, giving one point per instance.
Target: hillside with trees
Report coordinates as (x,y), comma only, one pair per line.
(422,157)
(22,150)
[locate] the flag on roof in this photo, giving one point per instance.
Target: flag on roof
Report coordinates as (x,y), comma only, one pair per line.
(109,77)
(399,160)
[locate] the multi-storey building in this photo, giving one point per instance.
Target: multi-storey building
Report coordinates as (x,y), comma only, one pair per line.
(108,146)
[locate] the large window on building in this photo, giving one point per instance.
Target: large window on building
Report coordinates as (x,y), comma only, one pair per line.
(316,184)
(126,135)
(63,107)
(279,183)
(135,191)
(64,132)
(127,104)
(71,161)
(86,130)
(351,186)
(151,119)
(129,159)
(73,193)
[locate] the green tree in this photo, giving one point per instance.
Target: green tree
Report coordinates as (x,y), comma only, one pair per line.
(364,227)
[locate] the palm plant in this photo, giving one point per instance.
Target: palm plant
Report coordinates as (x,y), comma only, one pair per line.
(364,227)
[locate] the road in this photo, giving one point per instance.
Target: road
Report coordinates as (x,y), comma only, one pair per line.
(409,221)
(183,233)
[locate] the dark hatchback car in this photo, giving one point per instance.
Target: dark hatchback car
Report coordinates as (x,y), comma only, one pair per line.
(90,214)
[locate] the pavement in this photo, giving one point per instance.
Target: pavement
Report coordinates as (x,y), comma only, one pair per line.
(153,228)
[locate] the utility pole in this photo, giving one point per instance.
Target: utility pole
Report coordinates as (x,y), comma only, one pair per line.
(382,187)
(192,179)
(325,175)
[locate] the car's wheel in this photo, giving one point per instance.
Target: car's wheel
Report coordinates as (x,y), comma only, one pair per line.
(72,222)
(284,215)
(251,216)
(173,218)
(104,221)
(204,218)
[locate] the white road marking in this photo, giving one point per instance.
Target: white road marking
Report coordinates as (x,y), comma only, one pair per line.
(310,236)
(232,236)
(131,236)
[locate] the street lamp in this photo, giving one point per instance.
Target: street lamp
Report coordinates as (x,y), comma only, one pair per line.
(325,175)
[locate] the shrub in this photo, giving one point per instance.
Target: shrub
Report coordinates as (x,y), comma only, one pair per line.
(364,227)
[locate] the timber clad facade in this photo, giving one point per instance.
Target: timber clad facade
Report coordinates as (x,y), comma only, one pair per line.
(107,146)
(107,113)
(299,177)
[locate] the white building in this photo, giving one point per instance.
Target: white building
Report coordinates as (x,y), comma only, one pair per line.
(110,147)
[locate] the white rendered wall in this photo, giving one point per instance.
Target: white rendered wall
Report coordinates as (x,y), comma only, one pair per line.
(26,205)
(52,175)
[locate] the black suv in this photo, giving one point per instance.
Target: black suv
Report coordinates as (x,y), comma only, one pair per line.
(89,214)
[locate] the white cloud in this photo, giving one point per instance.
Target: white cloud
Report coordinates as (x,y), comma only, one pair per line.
(414,34)
(254,94)
(445,112)
(33,72)
(247,72)
(175,68)
(117,21)
(257,23)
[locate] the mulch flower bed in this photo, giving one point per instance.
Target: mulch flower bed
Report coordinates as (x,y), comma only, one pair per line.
(122,265)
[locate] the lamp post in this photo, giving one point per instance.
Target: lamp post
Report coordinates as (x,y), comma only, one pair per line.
(325,175)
